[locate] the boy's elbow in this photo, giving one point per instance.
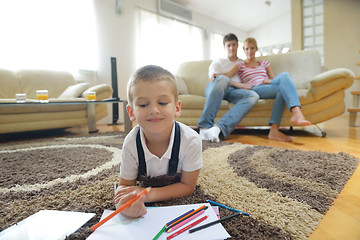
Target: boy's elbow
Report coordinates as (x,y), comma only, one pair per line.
(190,191)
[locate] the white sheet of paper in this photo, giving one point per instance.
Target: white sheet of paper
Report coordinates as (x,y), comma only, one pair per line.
(121,227)
(47,225)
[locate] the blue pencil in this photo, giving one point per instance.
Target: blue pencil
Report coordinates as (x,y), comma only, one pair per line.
(229,208)
(168,224)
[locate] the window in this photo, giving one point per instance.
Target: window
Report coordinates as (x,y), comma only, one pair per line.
(47,34)
(166,42)
(313,26)
(216,46)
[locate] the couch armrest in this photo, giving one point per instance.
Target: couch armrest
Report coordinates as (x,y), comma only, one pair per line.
(326,83)
(103,91)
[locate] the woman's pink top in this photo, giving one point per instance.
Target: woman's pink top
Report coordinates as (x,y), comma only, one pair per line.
(253,75)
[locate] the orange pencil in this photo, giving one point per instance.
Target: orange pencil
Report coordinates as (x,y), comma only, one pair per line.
(127,204)
(194,212)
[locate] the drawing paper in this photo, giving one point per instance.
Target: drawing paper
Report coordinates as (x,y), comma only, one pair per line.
(146,227)
(46,225)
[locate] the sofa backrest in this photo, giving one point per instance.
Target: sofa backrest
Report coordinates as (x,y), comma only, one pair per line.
(302,66)
(54,81)
(10,84)
(195,76)
(28,81)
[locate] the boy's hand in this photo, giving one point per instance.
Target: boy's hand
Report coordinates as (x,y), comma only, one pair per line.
(124,190)
(136,209)
(124,194)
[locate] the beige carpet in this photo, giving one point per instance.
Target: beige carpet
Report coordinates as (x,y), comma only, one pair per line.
(286,191)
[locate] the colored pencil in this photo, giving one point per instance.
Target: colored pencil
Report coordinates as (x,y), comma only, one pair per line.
(227,207)
(186,221)
(186,217)
(187,227)
(183,215)
(127,204)
(213,223)
(159,233)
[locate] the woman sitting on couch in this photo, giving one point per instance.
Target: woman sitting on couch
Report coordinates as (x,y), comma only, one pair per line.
(259,76)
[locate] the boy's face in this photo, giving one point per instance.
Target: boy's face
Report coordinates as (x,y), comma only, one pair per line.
(154,106)
(231,48)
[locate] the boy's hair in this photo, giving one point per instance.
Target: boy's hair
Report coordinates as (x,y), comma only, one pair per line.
(230,37)
(151,73)
(250,40)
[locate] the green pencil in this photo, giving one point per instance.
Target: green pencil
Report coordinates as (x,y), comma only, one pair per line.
(159,233)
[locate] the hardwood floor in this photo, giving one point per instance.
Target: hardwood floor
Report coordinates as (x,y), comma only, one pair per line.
(342,221)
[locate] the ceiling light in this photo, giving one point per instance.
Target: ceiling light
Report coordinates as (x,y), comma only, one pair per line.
(285,50)
(275,51)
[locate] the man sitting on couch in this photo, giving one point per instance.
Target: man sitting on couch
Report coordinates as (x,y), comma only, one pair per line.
(221,87)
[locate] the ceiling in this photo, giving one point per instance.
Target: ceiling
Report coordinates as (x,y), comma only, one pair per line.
(246,15)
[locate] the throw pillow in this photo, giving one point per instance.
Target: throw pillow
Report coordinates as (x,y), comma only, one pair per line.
(74,91)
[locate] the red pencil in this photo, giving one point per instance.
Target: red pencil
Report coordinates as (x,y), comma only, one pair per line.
(127,204)
(187,227)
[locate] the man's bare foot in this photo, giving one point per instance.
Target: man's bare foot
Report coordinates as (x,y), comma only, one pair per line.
(275,134)
(298,118)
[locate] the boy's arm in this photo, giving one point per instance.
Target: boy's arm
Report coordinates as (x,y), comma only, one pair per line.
(184,188)
(128,190)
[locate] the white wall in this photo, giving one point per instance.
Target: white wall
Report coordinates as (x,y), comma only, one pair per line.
(117,37)
(342,39)
(276,32)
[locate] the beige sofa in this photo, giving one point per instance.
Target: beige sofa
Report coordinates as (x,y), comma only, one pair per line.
(321,93)
(61,86)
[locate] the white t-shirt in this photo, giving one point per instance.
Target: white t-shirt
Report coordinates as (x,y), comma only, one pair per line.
(190,154)
(224,65)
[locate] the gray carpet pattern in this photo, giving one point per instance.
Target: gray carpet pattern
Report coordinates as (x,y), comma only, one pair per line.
(78,173)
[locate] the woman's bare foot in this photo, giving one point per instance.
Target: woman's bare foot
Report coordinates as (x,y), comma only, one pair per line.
(275,134)
(298,118)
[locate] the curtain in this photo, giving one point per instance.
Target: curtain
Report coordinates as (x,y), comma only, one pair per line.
(48,34)
(166,42)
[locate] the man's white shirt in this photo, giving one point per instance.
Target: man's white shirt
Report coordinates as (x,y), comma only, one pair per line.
(224,65)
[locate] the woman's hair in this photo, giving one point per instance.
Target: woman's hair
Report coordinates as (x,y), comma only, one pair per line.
(151,73)
(250,40)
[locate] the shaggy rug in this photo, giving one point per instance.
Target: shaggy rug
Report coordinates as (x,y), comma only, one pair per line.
(286,191)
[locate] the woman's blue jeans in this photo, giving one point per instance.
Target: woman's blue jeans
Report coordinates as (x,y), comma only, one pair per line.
(283,89)
(218,90)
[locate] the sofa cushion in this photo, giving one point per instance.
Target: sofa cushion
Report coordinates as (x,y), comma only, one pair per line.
(74,91)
